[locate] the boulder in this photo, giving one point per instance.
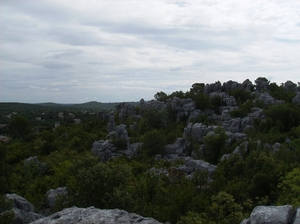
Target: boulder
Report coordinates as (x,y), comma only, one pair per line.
(125,110)
(152,104)
(23,210)
(271,215)
(228,100)
(247,85)
(289,85)
(195,132)
(297,216)
(20,203)
(52,195)
(267,99)
(179,147)
(95,216)
(111,125)
(296,99)
(104,149)
(182,107)
(200,165)
(121,132)
(24,217)
(262,84)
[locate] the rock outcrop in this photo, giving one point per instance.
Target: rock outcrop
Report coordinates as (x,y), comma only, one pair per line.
(179,147)
(296,99)
(52,195)
(272,215)
(96,216)
(23,210)
(125,110)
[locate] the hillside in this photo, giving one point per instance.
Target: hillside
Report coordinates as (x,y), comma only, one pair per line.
(212,154)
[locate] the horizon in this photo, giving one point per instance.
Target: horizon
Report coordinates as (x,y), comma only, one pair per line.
(106,51)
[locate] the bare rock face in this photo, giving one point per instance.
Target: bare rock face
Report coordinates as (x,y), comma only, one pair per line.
(96,216)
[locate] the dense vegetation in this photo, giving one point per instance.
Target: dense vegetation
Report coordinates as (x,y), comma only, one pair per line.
(259,176)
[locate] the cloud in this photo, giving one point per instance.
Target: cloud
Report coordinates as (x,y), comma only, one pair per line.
(127,50)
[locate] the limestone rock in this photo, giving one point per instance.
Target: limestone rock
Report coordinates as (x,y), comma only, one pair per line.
(196,132)
(23,217)
(228,100)
(52,195)
(96,216)
(267,99)
(200,165)
(271,215)
(20,202)
(22,209)
(289,85)
(125,110)
(297,216)
(152,104)
(111,125)
(179,147)
(296,99)
(105,149)
(247,85)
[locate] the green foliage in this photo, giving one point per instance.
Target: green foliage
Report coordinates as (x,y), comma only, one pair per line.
(153,142)
(282,116)
(290,188)
(161,96)
(214,143)
(281,93)
(6,214)
(243,110)
(225,210)
(19,127)
(98,184)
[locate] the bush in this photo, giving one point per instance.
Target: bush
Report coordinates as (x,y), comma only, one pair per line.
(154,142)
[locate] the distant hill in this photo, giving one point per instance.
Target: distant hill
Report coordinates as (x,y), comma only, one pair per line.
(92,105)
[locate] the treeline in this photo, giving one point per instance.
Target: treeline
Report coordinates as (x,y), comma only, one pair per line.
(257,176)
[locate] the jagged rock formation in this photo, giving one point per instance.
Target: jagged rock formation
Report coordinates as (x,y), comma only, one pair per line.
(106,150)
(152,104)
(178,148)
(273,215)
(96,216)
(111,125)
(126,110)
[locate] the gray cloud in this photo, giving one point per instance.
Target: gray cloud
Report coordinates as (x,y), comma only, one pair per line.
(68,52)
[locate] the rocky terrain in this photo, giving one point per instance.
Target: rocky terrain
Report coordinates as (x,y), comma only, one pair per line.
(186,154)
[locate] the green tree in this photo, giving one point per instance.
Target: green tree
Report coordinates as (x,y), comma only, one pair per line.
(290,188)
(19,127)
(214,143)
(153,142)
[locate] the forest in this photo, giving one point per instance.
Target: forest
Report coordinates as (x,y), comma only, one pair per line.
(248,133)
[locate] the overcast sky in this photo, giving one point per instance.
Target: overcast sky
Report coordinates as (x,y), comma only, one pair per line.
(113,51)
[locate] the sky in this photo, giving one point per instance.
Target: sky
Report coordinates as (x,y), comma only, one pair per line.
(113,51)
